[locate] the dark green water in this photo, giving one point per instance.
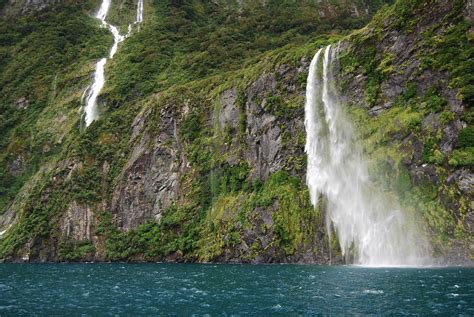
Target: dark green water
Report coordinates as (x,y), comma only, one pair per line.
(192,289)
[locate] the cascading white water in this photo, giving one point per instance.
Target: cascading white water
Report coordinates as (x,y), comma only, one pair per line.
(91,103)
(4,231)
(370,228)
(139,18)
(90,111)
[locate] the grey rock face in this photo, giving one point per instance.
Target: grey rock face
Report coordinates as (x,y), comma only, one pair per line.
(15,166)
(464,179)
(450,136)
(424,173)
(263,135)
(229,115)
(150,178)
(77,221)
(466,182)
(32,5)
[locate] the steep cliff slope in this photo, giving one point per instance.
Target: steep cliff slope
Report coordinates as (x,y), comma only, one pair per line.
(198,154)
(408,76)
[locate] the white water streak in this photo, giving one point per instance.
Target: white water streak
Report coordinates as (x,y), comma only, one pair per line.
(91,111)
(91,103)
(139,18)
(370,228)
(3,232)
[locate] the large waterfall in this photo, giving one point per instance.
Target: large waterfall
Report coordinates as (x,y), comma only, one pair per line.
(371,229)
(90,111)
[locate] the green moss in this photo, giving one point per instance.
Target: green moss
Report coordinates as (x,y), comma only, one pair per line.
(447,116)
(450,49)
(410,92)
(386,64)
(466,137)
(188,53)
(430,152)
(432,102)
(462,157)
(45,61)
(75,250)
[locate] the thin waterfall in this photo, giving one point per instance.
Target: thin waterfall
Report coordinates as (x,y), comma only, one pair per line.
(91,112)
(371,229)
(3,232)
(139,18)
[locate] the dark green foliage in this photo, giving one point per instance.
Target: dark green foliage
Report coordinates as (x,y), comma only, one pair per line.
(85,184)
(409,92)
(229,179)
(431,153)
(177,231)
(187,52)
(40,53)
(433,102)
(143,241)
(200,38)
(192,125)
(451,49)
(462,157)
(282,108)
(363,58)
(466,137)
(75,250)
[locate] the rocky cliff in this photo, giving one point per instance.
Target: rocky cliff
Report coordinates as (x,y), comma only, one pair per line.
(198,154)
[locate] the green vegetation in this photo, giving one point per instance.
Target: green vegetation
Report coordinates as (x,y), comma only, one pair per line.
(184,41)
(464,157)
(410,133)
(44,62)
(205,236)
(173,72)
(466,137)
(75,250)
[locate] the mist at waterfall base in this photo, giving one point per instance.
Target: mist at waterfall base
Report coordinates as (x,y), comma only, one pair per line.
(372,229)
(217,290)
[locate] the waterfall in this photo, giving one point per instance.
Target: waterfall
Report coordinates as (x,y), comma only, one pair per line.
(139,18)
(90,111)
(371,229)
(5,230)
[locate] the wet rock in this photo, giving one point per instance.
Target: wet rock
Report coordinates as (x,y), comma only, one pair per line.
(450,136)
(469,222)
(15,166)
(424,173)
(21,103)
(431,122)
(466,182)
(36,5)
(263,86)
(376,110)
(391,89)
(464,179)
(229,114)
(77,221)
(150,179)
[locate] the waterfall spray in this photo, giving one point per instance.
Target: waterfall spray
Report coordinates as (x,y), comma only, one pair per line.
(91,112)
(370,229)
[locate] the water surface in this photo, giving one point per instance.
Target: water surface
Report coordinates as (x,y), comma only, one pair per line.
(187,289)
